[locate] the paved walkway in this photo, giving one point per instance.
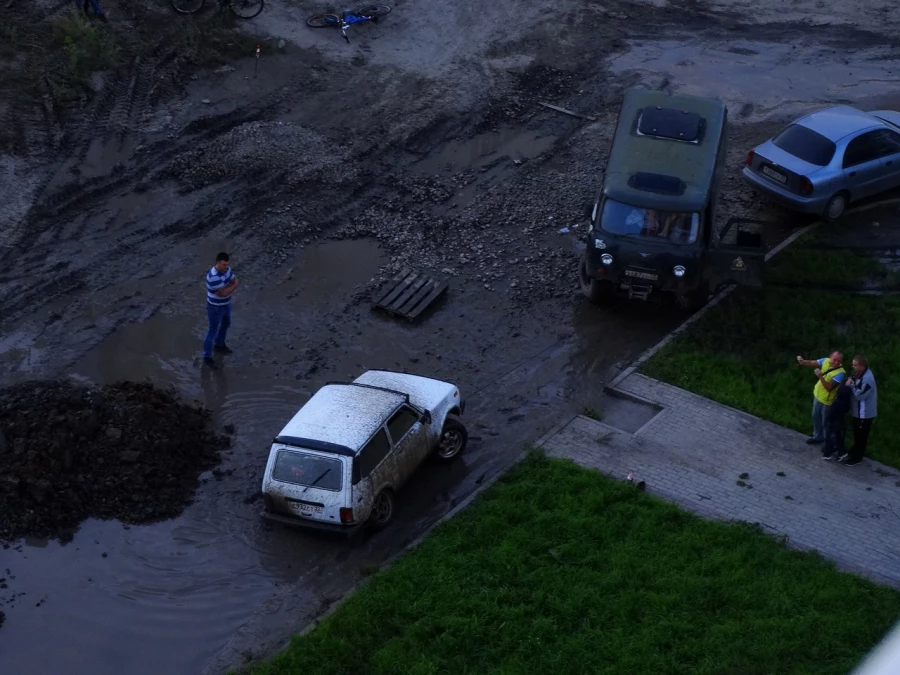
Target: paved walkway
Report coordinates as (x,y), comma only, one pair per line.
(694,451)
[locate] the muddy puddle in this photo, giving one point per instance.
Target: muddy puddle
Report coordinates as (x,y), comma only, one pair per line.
(326,273)
(759,79)
(486,148)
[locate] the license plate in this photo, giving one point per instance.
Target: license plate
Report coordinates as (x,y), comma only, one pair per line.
(307,510)
(641,275)
(775,175)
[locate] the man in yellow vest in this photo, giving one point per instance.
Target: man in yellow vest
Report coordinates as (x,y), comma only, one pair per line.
(830,376)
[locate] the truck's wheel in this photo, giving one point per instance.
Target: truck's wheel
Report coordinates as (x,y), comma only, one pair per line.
(382,510)
(595,291)
(453,440)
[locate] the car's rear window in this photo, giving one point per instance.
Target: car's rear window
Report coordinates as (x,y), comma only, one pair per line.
(808,145)
(302,468)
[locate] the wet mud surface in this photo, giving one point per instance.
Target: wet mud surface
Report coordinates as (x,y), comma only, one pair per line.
(421,146)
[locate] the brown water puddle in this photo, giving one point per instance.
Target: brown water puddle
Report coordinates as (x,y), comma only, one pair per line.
(483,149)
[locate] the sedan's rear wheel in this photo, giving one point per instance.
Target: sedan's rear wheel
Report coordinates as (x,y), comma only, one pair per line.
(836,207)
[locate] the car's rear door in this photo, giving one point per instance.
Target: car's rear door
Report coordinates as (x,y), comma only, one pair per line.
(863,166)
(410,438)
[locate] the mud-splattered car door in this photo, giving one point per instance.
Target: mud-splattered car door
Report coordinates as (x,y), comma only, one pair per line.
(411,442)
(377,471)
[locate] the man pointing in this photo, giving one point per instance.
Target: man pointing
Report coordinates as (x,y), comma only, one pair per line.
(829,376)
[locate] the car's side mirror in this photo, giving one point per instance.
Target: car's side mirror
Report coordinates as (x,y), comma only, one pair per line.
(426,417)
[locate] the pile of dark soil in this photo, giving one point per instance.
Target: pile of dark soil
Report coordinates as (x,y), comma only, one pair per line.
(127,451)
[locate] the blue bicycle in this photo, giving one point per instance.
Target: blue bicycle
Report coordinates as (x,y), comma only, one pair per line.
(366,13)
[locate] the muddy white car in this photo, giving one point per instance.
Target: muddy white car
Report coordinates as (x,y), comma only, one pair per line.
(338,464)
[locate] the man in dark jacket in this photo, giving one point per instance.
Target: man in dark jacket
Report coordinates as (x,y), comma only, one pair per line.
(836,423)
(863,410)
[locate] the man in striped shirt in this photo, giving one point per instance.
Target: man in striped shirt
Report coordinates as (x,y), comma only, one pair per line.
(220,284)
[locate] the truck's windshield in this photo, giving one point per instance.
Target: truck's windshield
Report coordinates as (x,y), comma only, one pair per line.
(633,221)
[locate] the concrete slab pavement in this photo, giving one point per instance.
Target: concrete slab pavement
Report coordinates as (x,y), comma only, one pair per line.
(694,451)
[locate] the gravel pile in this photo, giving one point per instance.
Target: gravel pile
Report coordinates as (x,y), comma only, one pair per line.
(258,149)
(127,451)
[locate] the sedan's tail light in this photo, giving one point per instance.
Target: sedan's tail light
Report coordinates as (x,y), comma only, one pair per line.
(806,186)
(346,516)
(750,156)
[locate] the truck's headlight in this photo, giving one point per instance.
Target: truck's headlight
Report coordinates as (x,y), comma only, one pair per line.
(678,270)
(606,259)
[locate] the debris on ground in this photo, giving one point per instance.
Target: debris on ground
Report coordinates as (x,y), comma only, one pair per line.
(128,451)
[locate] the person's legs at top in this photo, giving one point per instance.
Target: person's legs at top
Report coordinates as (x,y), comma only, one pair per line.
(834,440)
(861,430)
(818,420)
(214,315)
(224,324)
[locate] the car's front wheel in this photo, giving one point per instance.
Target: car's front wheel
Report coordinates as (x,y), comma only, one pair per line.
(594,290)
(382,510)
(454,437)
(836,206)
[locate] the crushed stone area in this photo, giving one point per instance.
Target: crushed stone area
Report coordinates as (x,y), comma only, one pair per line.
(127,451)
(294,152)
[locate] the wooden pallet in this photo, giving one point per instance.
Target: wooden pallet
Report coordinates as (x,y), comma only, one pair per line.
(409,294)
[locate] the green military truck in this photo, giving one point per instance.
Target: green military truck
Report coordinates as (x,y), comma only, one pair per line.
(653,225)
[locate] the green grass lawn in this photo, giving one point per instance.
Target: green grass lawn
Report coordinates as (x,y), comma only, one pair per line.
(556,569)
(742,353)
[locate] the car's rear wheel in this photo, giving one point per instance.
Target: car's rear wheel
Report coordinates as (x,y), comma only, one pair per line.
(836,206)
(454,437)
(382,510)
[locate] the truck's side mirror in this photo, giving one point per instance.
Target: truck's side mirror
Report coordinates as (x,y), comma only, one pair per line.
(588,211)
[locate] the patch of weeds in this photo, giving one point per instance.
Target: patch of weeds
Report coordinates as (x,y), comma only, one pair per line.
(740,483)
(789,498)
(744,475)
(593,413)
(88,47)
(780,473)
(649,589)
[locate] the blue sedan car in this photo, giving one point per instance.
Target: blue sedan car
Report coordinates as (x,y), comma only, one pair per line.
(828,159)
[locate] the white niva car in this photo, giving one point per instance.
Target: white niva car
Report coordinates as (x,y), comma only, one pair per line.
(339,462)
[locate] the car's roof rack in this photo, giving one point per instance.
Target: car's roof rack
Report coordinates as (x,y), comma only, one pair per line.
(311,444)
(372,386)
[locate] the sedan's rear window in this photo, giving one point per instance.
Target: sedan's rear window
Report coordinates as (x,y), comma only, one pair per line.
(808,145)
(301,468)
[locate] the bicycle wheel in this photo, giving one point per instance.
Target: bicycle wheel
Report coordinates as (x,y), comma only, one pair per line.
(373,10)
(245,9)
(324,21)
(187,6)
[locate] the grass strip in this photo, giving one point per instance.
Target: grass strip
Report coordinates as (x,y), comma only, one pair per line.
(556,569)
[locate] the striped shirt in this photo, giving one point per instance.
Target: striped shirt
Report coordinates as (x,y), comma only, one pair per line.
(216,281)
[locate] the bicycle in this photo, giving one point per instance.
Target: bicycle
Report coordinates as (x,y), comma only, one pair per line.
(244,9)
(348,18)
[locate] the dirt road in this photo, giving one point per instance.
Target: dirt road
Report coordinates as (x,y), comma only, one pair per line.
(418,145)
